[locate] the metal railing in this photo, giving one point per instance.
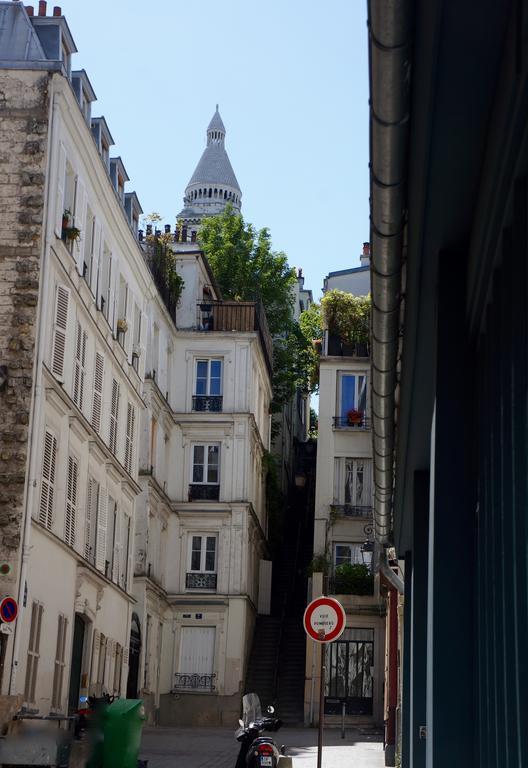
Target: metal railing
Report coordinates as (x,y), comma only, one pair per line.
(192,681)
(343,422)
(200,580)
(352,510)
(202,492)
(211,403)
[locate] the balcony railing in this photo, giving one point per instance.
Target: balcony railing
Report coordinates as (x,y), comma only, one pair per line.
(192,681)
(336,347)
(343,422)
(211,403)
(352,510)
(200,581)
(202,492)
(242,316)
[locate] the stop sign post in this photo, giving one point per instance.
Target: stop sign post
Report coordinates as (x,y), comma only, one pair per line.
(324,621)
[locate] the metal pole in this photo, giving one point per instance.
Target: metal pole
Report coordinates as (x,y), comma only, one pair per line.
(343,707)
(321,707)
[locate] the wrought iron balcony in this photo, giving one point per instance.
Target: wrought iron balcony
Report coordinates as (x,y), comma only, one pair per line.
(211,403)
(193,681)
(202,492)
(343,422)
(352,510)
(200,581)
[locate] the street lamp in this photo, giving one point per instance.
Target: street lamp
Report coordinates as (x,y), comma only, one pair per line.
(367,548)
(300,480)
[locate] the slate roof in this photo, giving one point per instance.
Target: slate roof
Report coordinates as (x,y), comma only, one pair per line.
(18,39)
(214,166)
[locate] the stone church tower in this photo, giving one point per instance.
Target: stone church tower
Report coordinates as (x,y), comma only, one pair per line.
(213,184)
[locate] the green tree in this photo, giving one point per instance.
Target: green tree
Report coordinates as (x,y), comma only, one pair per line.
(311,325)
(247,269)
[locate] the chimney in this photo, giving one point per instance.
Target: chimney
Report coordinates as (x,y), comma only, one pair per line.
(42,7)
(57,10)
(365,256)
(30,10)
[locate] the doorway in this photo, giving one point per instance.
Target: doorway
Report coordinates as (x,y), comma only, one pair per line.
(134,652)
(76,663)
(349,673)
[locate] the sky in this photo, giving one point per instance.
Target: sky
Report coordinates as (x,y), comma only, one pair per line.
(291,81)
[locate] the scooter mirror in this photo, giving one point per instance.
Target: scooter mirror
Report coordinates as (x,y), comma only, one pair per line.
(270,710)
(241,723)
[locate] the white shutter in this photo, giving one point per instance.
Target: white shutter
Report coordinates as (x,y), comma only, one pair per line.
(71,501)
(96,248)
(102,519)
(92,503)
(61,173)
(116,570)
(114,417)
(97,401)
(114,273)
(79,222)
(60,328)
(129,438)
(47,487)
(197,650)
(79,370)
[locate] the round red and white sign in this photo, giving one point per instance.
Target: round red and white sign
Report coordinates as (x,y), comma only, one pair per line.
(324,619)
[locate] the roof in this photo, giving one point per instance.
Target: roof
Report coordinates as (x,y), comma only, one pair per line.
(348,271)
(214,167)
(216,123)
(18,39)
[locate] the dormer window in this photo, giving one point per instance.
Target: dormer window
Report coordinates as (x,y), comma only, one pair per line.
(105,150)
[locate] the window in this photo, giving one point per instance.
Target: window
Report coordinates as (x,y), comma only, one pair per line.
(203,554)
(352,394)
(101,662)
(208,386)
(348,554)
(197,646)
(146,670)
(205,468)
(58,673)
(33,655)
(89,244)
(79,371)
(118,669)
(353,483)
(201,573)
(70,518)
(47,488)
(113,541)
(92,506)
(106,282)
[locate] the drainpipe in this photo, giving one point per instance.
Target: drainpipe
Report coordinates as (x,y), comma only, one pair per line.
(389,35)
(34,447)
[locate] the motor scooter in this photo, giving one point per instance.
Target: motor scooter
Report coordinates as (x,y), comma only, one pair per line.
(257,751)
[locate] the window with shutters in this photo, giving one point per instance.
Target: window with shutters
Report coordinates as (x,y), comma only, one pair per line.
(92,506)
(89,245)
(58,673)
(113,542)
(97,398)
(33,654)
(129,438)
(106,282)
(70,518)
(101,662)
(47,486)
(79,371)
(102,523)
(118,668)
(127,565)
(114,417)
(60,328)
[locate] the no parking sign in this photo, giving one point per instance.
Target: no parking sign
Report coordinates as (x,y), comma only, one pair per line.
(8,610)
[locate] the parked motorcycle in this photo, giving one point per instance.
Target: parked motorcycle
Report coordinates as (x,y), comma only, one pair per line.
(257,751)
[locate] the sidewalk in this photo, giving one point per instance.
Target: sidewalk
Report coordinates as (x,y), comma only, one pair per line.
(217,748)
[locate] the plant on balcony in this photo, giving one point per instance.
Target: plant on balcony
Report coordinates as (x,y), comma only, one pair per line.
(354,416)
(347,316)
(72,233)
(353,579)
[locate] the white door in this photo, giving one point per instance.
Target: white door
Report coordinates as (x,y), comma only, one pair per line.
(197,650)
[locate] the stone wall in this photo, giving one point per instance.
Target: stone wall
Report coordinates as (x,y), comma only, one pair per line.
(24,113)
(184,709)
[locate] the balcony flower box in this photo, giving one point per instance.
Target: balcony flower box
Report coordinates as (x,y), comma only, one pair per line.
(354,417)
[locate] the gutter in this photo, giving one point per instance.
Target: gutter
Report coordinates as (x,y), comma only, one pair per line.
(389,37)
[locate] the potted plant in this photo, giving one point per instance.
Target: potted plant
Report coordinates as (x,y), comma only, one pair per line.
(72,233)
(354,416)
(66,216)
(353,579)
(347,318)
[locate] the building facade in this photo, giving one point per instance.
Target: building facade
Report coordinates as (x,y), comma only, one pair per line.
(355,664)
(135,422)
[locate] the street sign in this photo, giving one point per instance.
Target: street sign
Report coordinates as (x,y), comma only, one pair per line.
(324,619)
(8,610)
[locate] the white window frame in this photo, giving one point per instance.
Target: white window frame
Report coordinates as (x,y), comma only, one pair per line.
(203,551)
(60,663)
(72,499)
(355,556)
(206,447)
(341,476)
(208,360)
(340,376)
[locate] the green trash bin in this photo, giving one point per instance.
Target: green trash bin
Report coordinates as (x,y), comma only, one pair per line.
(123,720)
